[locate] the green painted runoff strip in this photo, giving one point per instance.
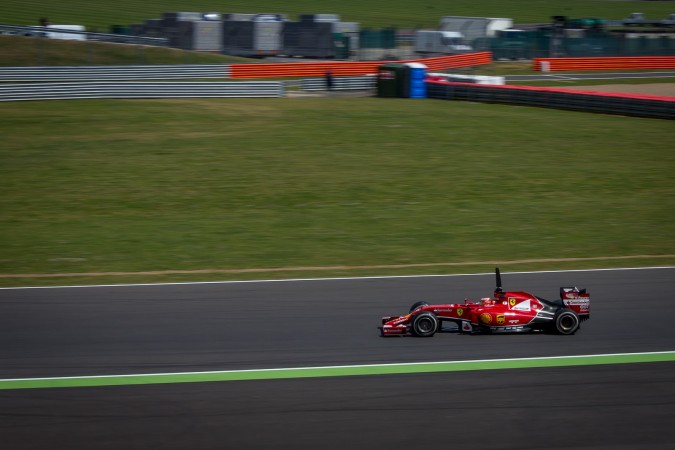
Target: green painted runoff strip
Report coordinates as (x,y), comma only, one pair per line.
(335,371)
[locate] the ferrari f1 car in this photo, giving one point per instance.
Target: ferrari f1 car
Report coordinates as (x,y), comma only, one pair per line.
(506,312)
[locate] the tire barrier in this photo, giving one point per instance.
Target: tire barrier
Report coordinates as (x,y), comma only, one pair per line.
(604,63)
(346,68)
(67,91)
(599,102)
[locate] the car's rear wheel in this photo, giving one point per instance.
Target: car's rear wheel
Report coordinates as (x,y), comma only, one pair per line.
(417,306)
(566,322)
(424,325)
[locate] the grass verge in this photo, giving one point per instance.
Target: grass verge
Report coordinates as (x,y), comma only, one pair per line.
(334,371)
(297,273)
(128,186)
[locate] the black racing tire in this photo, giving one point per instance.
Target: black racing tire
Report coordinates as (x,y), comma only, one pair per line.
(417,306)
(424,325)
(566,322)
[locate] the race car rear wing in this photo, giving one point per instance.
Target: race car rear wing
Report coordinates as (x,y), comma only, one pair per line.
(577,300)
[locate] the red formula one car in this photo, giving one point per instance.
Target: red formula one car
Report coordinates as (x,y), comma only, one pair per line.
(506,312)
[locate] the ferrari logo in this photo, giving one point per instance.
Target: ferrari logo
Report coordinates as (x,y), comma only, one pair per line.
(512,301)
(460,311)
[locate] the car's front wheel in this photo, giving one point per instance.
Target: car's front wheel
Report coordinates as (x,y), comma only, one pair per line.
(424,325)
(566,322)
(417,306)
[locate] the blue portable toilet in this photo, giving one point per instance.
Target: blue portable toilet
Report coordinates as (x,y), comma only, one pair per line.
(416,85)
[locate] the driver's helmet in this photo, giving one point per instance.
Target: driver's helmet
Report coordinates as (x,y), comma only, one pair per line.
(487,301)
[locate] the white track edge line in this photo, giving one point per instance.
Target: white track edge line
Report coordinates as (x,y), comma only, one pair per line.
(287,280)
(354,366)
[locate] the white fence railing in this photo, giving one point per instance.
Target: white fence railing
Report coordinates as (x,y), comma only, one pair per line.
(63,91)
(110,73)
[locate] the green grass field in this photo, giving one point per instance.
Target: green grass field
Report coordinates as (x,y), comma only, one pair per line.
(373,13)
(28,51)
(99,186)
(230,185)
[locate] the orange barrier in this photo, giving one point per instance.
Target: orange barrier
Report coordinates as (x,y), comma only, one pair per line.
(606,63)
(339,68)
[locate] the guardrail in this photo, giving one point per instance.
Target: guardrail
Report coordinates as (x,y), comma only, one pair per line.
(109,73)
(601,102)
(64,91)
(345,68)
(365,82)
(604,63)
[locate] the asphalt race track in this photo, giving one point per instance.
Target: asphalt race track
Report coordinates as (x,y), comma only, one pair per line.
(210,327)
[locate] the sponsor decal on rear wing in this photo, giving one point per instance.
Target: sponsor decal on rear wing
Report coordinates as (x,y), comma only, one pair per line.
(576,299)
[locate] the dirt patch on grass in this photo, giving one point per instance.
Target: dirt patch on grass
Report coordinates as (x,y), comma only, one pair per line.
(326,268)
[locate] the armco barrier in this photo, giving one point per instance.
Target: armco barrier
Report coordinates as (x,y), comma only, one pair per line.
(604,63)
(63,91)
(110,73)
(343,68)
(601,102)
